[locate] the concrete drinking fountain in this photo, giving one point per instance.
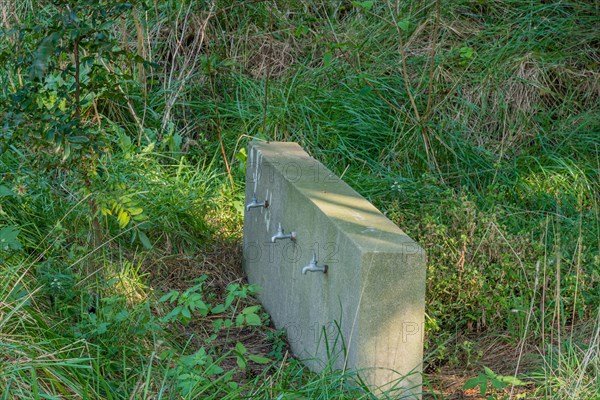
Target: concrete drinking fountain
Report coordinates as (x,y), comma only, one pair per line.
(362,306)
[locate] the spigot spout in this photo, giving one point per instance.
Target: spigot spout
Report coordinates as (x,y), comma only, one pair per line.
(281,235)
(313,267)
(255,203)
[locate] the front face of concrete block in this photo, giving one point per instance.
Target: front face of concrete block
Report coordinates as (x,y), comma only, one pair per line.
(366,312)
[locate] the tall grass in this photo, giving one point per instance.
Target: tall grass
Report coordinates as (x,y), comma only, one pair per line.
(473,125)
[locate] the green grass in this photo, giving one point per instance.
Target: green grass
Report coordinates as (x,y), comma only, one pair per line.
(485,151)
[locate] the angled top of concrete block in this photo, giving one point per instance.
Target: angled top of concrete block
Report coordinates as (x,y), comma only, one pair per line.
(364,225)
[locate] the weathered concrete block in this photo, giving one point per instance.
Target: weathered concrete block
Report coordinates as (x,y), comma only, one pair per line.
(366,312)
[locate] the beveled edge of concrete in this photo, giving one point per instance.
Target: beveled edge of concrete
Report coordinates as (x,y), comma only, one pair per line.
(355,216)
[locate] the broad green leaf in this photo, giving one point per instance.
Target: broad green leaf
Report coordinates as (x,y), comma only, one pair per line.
(218,309)
(203,309)
(195,298)
(122,316)
(239,320)
(173,314)
(174,143)
(145,241)
(102,328)
(241,362)
(213,370)
(124,142)
(240,348)
(489,372)
(5,191)
(150,147)
(217,324)
(365,5)
(404,24)
(259,359)
(140,217)
(8,238)
(123,219)
(173,294)
(497,384)
(473,382)
(483,388)
(133,236)
(135,210)
(166,354)
(253,319)
(467,52)
(511,380)
(241,155)
(251,309)
(232,287)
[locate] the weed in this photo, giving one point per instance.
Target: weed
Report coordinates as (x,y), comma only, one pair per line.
(495,382)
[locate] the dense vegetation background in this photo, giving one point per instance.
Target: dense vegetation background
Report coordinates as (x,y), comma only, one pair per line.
(473,124)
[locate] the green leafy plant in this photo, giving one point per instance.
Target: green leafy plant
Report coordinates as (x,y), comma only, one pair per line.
(197,372)
(466,52)
(365,5)
(404,24)
(186,303)
(489,379)
(242,356)
(247,316)
(278,340)
(8,238)
(192,301)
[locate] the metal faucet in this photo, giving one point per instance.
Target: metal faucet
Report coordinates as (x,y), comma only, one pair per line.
(281,235)
(313,267)
(254,203)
